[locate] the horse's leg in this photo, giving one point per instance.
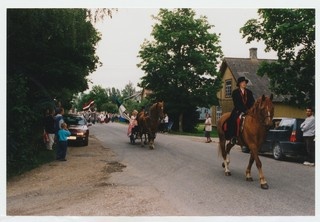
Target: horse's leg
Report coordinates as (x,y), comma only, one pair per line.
(151,144)
(227,159)
(146,137)
(263,182)
(141,138)
(248,171)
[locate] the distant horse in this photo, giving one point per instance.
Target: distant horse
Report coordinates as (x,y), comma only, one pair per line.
(253,133)
(149,123)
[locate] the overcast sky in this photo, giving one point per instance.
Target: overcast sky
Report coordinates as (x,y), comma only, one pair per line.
(123,35)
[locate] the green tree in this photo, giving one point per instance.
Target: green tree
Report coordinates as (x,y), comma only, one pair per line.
(128,90)
(99,95)
(109,107)
(50,53)
(114,93)
(291,33)
(104,98)
(54,48)
(181,62)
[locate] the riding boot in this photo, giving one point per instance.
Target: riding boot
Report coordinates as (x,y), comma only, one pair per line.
(233,140)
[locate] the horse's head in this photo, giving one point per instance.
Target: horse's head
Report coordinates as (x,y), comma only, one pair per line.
(264,108)
(160,106)
(156,110)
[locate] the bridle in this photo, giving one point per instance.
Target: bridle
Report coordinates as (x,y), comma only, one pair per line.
(267,114)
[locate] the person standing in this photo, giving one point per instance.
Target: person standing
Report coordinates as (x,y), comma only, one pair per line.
(49,128)
(58,120)
(242,100)
(63,134)
(208,128)
(308,129)
(166,122)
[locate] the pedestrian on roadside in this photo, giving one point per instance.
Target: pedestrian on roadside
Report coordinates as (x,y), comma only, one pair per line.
(308,129)
(63,134)
(208,128)
(58,120)
(166,122)
(49,128)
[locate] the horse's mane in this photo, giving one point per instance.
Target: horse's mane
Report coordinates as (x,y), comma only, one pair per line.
(259,104)
(253,110)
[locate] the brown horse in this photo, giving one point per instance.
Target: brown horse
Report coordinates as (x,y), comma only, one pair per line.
(149,123)
(253,133)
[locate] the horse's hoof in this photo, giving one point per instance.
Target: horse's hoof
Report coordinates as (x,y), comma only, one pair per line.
(265,186)
(223,165)
(151,147)
(249,179)
(227,173)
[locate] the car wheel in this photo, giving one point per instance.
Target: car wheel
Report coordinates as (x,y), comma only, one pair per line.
(86,142)
(277,151)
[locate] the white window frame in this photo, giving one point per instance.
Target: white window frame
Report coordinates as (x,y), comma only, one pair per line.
(218,112)
(228,88)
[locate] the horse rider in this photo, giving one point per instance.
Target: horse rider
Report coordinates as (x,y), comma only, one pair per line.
(242,100)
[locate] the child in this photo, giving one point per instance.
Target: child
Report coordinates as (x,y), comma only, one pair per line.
(133,122)
(63,134)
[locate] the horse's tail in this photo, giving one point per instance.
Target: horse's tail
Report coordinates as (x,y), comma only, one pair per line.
(219,129)
(221,133)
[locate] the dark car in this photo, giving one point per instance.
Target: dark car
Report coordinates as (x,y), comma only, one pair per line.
(78,126)
(285,139)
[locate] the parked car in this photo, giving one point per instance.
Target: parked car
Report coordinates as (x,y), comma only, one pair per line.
(78,126)
(285,139)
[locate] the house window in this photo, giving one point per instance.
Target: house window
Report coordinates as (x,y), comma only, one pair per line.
(228,88)
(218,112)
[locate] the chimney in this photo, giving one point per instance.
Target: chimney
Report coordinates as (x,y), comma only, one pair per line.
(253,53)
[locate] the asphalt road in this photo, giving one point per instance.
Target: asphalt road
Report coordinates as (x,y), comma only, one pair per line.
(188,173)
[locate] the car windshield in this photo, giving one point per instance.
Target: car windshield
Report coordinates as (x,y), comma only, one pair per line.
(286,124)
(74,120)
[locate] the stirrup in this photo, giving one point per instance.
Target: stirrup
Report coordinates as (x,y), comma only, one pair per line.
(233,141)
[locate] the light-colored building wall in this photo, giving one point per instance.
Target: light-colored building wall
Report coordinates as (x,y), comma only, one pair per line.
(226,102)
(283,110)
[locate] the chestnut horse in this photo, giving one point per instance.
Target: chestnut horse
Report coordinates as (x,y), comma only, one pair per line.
(149,123)
(252,134)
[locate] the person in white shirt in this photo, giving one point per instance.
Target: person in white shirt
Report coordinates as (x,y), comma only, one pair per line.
(308,129)
(208,128)
(166,122)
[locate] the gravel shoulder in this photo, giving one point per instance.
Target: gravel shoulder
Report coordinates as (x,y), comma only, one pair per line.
(80,186)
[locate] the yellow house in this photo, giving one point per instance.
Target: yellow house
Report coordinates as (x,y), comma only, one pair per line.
(231,69)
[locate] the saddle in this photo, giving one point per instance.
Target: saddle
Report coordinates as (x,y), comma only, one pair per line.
(239,125)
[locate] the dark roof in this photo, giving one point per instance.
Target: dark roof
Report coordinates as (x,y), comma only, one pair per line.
(248,67)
